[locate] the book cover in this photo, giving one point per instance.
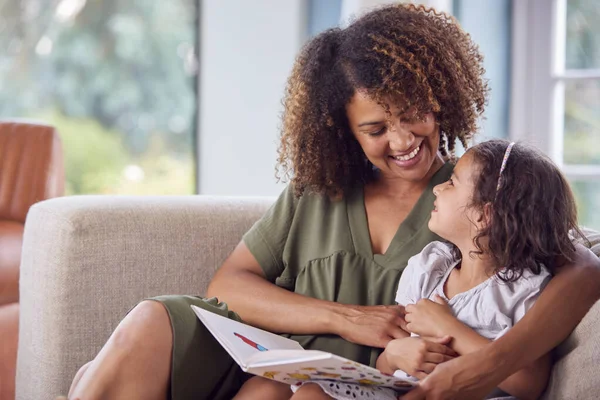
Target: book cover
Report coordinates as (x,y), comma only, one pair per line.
(271,356)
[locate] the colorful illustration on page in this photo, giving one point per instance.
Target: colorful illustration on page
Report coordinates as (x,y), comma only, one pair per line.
(251,343)
(270,374)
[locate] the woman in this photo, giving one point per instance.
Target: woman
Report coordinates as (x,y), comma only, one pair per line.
(370,112)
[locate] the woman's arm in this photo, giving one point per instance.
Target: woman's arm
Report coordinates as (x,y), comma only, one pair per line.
(241,283)
(527,383)
(435,318)
(561,306)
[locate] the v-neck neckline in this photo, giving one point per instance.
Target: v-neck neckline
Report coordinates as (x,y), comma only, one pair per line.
(419,215)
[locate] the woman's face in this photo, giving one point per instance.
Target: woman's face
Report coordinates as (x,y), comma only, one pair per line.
(400,145)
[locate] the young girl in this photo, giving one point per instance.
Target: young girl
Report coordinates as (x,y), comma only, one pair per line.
(506,214)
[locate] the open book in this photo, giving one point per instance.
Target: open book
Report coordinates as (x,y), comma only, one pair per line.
(271,356)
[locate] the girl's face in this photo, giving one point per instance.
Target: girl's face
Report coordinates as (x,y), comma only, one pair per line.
(400,145)
(452,218)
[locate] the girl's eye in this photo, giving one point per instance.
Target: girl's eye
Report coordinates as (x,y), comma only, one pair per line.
(450,182)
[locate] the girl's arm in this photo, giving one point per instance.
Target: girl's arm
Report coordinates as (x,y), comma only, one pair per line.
(241,283)
(415,356)
(561,306)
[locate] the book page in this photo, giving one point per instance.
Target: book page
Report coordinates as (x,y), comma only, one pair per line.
(286,356)
(295,367)
(240,340)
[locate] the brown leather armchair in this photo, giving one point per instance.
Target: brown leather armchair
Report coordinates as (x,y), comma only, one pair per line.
(31,170)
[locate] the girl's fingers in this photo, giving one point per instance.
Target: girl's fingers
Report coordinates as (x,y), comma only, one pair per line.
(443,340)
(440,348)
(398,333)
(437,358)
(420,375)
(427,367)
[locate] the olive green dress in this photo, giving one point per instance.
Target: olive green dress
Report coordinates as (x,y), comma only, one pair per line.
(313,246)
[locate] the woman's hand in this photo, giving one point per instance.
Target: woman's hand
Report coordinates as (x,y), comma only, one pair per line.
(371,325)
(462,378)
(428,318)
(416,356)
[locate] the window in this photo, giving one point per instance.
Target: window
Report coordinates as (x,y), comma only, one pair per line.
(577,76)
(116,78)
(556,90)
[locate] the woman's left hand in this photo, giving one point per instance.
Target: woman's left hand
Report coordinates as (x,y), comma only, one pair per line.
(469,377)
(428,318)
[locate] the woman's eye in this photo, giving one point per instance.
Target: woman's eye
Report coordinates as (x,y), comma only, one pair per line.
(377,133)
(409,116)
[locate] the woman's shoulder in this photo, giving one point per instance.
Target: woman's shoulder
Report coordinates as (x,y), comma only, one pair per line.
(310,196)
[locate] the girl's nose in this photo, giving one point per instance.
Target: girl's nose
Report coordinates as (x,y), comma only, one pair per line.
(437,189)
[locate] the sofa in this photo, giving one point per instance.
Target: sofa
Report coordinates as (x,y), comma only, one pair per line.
(31,170)
(87,260)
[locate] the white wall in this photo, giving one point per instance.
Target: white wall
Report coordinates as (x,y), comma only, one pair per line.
(494,40)
(247,49)
(355,8)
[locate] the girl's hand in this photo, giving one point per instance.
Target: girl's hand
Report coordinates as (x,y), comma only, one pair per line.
(428,318)
(416,356)
(371,325)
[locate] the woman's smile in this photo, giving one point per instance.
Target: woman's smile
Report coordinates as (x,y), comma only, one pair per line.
(410,159)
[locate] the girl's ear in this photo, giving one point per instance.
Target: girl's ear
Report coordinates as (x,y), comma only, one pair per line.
(487,214)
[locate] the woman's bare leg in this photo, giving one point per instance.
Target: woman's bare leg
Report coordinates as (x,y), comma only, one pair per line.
(310,391)
(258,388)
(135,362)
(77,378)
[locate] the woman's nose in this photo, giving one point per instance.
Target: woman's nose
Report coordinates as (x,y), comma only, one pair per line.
(401,137)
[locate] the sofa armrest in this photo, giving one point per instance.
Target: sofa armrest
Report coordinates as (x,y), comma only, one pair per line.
(575,371)
(87,260)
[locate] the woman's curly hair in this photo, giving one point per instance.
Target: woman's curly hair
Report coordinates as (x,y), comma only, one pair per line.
(533,216)
(400,51)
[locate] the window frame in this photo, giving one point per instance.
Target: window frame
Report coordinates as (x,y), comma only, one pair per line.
(538,77)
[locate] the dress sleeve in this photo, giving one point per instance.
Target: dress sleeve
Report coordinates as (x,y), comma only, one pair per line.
(529,289)
(423,272)
(411,282)
(267,238)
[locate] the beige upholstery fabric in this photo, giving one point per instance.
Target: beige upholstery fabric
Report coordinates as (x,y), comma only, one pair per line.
(576,372)
(88,260)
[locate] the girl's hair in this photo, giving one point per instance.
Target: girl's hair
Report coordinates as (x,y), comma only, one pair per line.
(531,214)
(403,51)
